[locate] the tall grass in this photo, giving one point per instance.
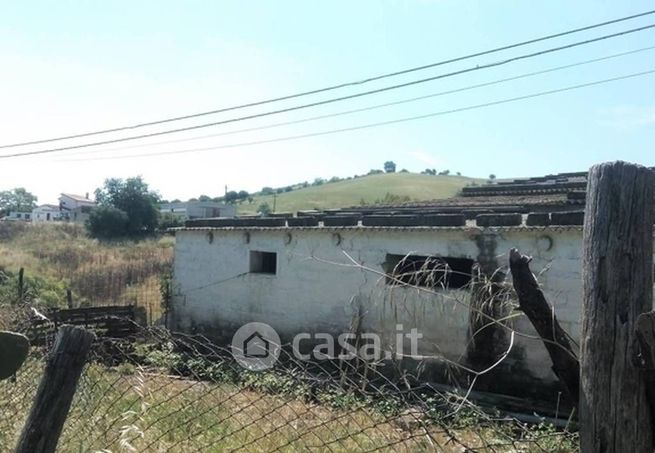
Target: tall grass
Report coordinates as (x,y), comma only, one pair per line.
(57,257)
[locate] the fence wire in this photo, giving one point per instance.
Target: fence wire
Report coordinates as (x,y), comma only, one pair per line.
(161,391)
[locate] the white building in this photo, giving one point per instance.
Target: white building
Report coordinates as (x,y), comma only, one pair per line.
(46,213)
(75,208)
(343,270)
(18,215)
(186,210)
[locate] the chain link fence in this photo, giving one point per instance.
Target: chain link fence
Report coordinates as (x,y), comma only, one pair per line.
(161,391)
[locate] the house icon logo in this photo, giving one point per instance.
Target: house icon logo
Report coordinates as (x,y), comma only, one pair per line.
(256,346)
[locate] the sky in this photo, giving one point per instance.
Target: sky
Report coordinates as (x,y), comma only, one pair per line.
(73,67)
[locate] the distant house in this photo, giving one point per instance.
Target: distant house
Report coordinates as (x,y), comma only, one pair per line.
(75,208)
(20,216)
(198,209)
(46,213)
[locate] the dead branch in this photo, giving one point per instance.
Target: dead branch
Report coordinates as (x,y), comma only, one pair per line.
(535,306)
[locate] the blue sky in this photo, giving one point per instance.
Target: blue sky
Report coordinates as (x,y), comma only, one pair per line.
(78,66)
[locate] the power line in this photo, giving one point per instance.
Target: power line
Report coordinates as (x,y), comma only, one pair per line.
(332,100)
(378,106)
(338,86)
(377,124)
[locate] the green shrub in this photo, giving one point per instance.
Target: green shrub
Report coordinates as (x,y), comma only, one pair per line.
(107,222)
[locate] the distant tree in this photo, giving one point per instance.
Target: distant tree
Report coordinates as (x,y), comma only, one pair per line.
(267,191)
(305,184)
(250,199)
(217,199)
(459,173)
(17,199)
(133,197)
(444,172)
(177,200)
(390,166)
(264,209)
(288,188)
(107,222)
(192,200)
(279,190)
(334,179)
(374,172)
(492,176)
(242,195)
(231,197)
(404,170)
(429,171)
(204,198)
(318,182)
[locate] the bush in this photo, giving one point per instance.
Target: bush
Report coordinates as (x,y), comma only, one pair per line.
(264,209)
(169,220)
(107,222)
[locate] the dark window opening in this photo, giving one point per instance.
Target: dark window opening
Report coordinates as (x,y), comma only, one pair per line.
(263,262)
(428,271)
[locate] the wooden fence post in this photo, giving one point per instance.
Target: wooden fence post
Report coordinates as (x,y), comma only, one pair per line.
(617,275)
(21,285)
(56,390)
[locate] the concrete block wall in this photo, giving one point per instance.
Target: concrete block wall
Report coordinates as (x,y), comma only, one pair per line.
(316,288)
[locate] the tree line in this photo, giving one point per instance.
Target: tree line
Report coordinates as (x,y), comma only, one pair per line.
(129,208)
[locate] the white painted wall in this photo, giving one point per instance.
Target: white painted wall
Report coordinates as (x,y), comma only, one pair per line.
(40,214)
(316,288)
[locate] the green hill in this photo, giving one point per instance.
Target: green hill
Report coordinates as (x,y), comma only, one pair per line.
(367,188)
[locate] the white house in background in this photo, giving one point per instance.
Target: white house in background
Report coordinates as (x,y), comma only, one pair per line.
(75,208)
(46,213)
(187,210)
(16,215)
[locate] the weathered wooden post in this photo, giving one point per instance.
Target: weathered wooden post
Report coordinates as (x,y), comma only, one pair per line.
(69,298)
(56,390)
(21,285)
(617,286)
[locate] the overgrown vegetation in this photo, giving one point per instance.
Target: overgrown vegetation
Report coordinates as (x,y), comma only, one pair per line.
(56,257)
(160,398)
(127,208)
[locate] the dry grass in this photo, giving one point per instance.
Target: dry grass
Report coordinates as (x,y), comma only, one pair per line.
(98,273)
(127,410)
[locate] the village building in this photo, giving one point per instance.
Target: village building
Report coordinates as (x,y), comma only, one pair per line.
(46,213)
(21,216)
(415,265)
(75,208)
(188,210)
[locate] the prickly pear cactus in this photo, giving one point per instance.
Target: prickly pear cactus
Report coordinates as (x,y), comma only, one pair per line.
(13,352)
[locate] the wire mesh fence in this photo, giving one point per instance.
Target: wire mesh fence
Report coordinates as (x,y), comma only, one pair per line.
(161,391)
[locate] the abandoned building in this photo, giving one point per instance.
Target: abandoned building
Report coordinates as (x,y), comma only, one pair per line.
(434,266)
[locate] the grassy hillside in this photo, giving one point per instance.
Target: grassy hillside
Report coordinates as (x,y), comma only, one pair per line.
(368,188)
